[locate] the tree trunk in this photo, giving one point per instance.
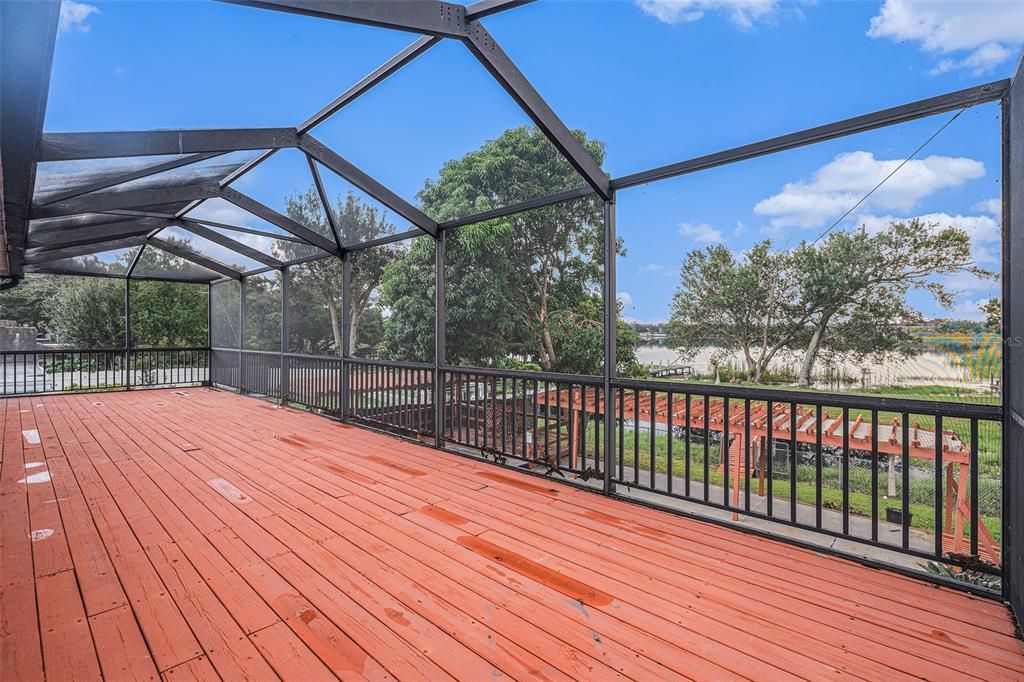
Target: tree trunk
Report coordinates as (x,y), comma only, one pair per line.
(811,354)
(332,307)
(548,357)
(353,330)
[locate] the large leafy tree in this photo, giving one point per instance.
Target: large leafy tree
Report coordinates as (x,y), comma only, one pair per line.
(168,314)
(358,221)
(853,287)
(738,303)
(846,295)
(522,286)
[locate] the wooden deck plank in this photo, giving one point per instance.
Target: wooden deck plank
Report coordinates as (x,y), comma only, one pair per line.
(322,551)
(68,649)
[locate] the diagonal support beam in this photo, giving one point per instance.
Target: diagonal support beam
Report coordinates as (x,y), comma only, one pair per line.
(108,201)
(325,201)
(194,256)
(246,230)
(357,177)
(229,243)
(503,69)
(128,176)
(284,222)
(75,146)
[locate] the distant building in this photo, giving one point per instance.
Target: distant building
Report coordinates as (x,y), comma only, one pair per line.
(16,337)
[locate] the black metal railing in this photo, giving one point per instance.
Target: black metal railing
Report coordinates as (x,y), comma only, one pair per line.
(71,370)
(314,382)
(545,420)
(395,395)
(919,477)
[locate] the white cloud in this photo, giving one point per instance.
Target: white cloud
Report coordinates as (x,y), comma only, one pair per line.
(655,269)
(993,206)
(625,299)
(701,233)
(742,13)
(221,211)
(969,309)
(73,16)
(989,32)
(840,184)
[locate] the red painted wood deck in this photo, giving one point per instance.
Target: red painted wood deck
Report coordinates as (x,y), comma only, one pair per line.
(195,534)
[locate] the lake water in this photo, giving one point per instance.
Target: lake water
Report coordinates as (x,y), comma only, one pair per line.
(927,368)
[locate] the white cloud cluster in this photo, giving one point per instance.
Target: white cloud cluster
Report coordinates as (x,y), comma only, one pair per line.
(988,31)
(742,13)
(701,233)
(840,184)
(74,16)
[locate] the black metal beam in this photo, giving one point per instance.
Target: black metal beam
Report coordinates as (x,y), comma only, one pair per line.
(325,201)
(483,46)
(229,243)
(357,177)
(417,16)
(109,201)
(195,257)
(539,202)
(40,256)
(28,31)
(415,49)
(387,239)
(128,176)
(247,230)
(485,8)
(284,222)
(99,145)
(858,124)
(53,239)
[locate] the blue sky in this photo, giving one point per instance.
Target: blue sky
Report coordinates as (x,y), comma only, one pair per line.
(657,80)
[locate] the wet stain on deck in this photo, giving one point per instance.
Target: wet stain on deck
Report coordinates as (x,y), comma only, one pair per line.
(622,524)
(396,466)
(536,571)
(340,655)
(347,474)
(522,485)
(443,515)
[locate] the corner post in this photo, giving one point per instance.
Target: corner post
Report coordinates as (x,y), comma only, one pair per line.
(610,317)
(209,334)
(241,335)
(127,332)
(285,331)
(346,332)
(440,359)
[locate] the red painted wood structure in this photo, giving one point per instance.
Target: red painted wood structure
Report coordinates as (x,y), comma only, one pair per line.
(955,453)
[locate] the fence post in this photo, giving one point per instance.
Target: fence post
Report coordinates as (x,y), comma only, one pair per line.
(439,337)
(209,334)
(610,315)
(283,382)
(346,330)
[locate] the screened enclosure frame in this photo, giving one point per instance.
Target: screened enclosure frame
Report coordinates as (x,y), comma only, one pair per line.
(137,216)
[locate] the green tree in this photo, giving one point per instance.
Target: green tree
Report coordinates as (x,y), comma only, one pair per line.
(88,312)
(26,303)
(357,222)
(744,304)
(168,314)
(517,286)
(852,287)
(993,310)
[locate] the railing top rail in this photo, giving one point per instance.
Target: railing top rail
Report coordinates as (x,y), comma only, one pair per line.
(40,351)
(881,403)
(526,374)
(390,363)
